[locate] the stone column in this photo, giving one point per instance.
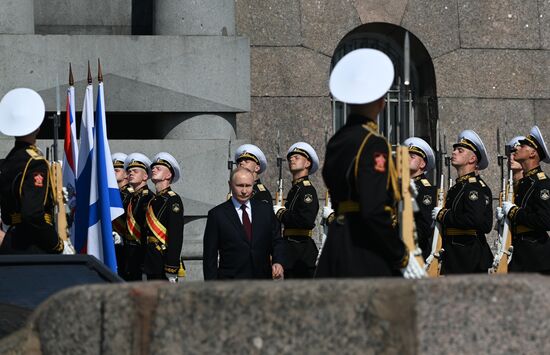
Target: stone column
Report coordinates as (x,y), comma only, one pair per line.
(17,17)
(194,17)
(197,126)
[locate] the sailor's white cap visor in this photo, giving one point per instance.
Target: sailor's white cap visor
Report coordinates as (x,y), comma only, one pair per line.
(361,76)
(21,112)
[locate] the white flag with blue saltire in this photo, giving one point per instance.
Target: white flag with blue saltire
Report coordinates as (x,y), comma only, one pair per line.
(105,201)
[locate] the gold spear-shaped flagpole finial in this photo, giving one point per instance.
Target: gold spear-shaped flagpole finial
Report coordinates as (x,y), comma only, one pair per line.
(89,74)
(99,73)
(71,78)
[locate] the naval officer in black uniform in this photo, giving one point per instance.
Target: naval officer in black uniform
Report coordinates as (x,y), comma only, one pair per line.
(467,214)
(252,158)
(164,218)
(120,230)
(422,161)
(300,211)
(361,177)
(529,214)
(26,187)
(138,167)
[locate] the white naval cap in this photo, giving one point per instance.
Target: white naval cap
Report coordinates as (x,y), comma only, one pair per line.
(118,159)
(535,140)
(307,151)
(251,151)
(170,162)
(421,147)
(515,141)
(137,160)
(470,140)
(21,112)
(361,76)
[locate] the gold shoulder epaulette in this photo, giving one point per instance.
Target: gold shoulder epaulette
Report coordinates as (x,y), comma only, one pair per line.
(307,183)
(145,192)
(472,179)
(171,193)
(482,183)
(130,189)
(261,187)
(541,175)
(425,182)
(34,153)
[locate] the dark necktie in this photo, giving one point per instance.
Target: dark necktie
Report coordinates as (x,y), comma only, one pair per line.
(246,223)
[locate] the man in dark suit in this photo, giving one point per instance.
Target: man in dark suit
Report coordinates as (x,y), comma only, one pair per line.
(244,233)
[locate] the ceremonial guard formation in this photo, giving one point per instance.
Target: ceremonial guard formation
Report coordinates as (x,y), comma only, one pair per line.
(300,211)
(138,167)
(26,186)
(164,220)
(368,211)
(529,214)
(252,158)
(361,177)
(468,214)
(422,161)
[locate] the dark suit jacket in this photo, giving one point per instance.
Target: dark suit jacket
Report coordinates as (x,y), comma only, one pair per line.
(239,258)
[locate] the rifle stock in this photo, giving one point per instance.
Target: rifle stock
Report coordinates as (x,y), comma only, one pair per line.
(60,212)
(406,217)
(434,260)
(500,264)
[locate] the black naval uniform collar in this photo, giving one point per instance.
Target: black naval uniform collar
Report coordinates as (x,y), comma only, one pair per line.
(465,177)
(164,191)
(299,180)
(138,191)
(419,177)
(533,171)
(355,119)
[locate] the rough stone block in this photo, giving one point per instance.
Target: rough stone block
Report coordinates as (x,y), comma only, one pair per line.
(269,22)
(544,18)
(435,23)
(499,24)
(325,23)
(494,74)
(390,11)
(542,118)
(288,71)
(17,17)
(195,17)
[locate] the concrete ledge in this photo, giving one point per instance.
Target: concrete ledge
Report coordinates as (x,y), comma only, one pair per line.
(476,314)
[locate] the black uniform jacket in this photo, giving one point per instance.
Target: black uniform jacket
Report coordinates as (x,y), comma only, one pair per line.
(26,200)
(426,200)
(138,203)
(261,193)
(363,240)
(119,224)
(530,223)
(465,219)
(301,208)
(165,234)
(238,257)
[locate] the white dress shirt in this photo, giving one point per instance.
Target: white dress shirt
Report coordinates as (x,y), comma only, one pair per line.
(238,205)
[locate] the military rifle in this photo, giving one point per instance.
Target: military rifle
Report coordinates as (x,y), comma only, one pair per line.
(433,262)
(279,193)
(328,204)
(230,164)
(504,240)
(407,204)
(56,175)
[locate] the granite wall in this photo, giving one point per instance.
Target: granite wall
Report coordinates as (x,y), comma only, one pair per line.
(453,315)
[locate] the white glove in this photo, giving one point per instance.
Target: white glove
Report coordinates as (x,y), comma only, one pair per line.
(435,212)
(507,206)
(277,208)
(65,194)
(327,211)
(172,278)
(413,269)
(117,238)
(68,248)
(413,189)
(499,212)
